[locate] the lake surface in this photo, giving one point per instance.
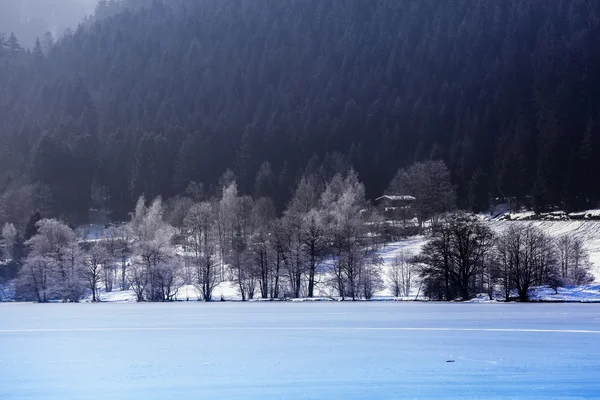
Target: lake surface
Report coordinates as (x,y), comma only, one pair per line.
(299,351)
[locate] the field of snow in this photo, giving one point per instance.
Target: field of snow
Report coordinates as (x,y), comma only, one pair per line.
(299,351)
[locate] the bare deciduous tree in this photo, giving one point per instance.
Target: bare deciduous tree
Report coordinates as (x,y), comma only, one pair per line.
(401,274)
(235,234)
(573,261)
(262,250)
(370,278)
(202,242)
(454,256)
(35,278)
(345,215)
(526,257)
(314,239)
(95,260)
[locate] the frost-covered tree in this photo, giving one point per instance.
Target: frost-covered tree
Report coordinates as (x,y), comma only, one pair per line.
(35,279)
(241,266)
(155,270)
(235,233)
(573,261)
(292,248)
(227,206)
(306,217)
(54,256)
(314,238)
(9,240)
(201,242)
(118,243)
(345,213)
(262,245)
(95,260)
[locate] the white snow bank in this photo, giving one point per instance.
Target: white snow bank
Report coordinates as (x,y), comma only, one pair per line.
(580,294)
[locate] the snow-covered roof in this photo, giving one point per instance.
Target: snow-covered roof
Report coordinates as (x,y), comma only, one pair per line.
(396,197)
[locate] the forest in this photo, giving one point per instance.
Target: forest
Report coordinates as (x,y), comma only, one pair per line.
(161,98)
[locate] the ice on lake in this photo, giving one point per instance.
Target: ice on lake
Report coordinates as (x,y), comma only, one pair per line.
(299,351)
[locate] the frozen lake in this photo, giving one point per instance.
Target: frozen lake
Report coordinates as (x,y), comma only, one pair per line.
(299,351)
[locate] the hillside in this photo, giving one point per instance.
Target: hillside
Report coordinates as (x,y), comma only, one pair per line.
(148,101)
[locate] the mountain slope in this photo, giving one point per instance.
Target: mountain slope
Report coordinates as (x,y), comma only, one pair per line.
(148,101)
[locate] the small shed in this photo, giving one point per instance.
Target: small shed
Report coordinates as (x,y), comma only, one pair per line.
(397,208)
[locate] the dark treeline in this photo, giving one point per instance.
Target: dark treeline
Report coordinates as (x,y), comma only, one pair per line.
(168,97)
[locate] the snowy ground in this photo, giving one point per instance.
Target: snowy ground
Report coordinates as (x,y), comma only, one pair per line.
(299,351)
(584,294)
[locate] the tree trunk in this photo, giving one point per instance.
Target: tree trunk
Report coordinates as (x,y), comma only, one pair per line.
(123,268)
(311,273)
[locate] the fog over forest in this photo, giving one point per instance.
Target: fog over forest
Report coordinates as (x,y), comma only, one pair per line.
(30,19)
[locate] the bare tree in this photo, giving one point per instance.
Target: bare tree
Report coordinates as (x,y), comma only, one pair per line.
(307,231)
(526,257)
(314,239)
(401,274)
(94,260)
(573,261)
(167,279)
(137,274)
(261,248)
(227,206)
(235,233)
(35,278)
(279,249)
(370,278)
(454,256)
(293,251)
(201,235)
(345,208)
(155,271)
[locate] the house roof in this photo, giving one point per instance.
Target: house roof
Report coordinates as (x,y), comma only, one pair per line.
(396,198)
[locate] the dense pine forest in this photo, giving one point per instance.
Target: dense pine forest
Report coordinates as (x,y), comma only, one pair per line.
(163,98)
